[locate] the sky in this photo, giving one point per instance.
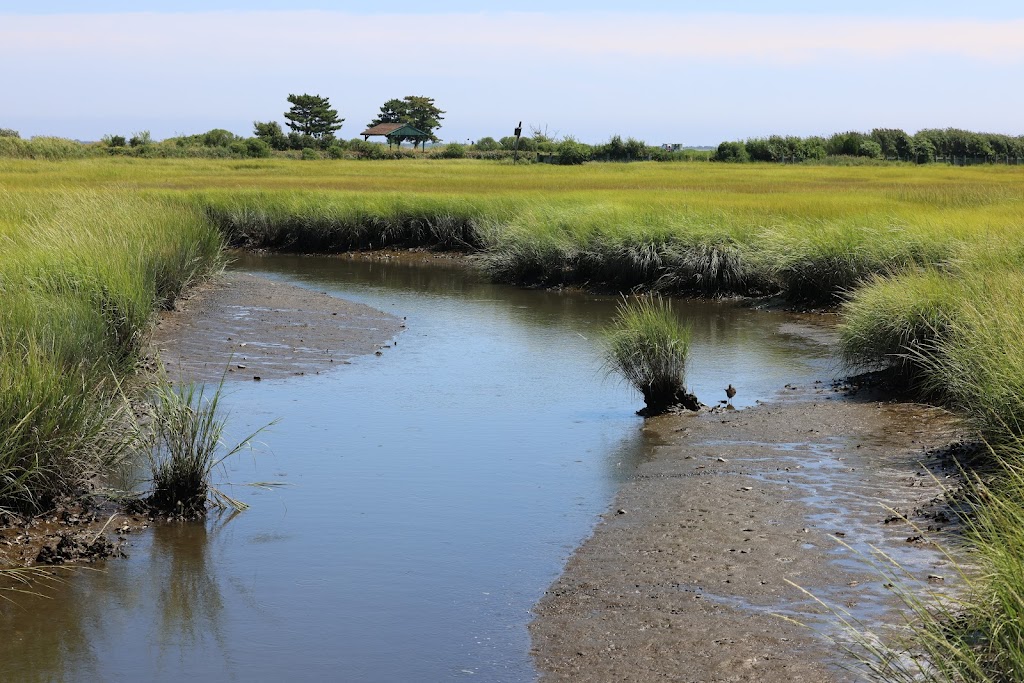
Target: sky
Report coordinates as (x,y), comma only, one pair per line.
(688,72)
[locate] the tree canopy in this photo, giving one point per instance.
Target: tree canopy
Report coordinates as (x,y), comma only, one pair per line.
(271,133)
(312,115)
(419,112)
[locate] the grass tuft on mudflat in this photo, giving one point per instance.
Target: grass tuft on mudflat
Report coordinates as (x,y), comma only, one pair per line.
(186,446)
(647,344)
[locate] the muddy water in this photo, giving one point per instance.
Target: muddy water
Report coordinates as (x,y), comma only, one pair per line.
(430,494)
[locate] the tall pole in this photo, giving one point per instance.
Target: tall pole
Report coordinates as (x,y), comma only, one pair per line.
(515,154)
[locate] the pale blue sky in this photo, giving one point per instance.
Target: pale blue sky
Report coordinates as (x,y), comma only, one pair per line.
(689,72)
(891,8)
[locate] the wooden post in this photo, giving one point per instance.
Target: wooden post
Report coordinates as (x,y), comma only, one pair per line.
(515,153)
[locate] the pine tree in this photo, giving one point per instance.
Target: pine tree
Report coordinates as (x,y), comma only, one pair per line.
(418,112)
(312,115)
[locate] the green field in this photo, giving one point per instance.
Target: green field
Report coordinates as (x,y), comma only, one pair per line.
(924,263)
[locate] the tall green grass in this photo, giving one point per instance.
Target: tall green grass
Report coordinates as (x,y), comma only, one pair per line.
(892,322)
(648,344)
(186,445)
(81,274)
(334,222)
(978,363)
(62,426)
(959,334)
(810,233)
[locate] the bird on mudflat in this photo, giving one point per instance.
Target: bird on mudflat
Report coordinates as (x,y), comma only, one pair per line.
(730,391)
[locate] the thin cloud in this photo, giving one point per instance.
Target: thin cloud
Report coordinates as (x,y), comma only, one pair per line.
(421,40)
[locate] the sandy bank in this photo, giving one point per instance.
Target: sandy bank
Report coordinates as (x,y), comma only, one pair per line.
(257,327)
(683,577)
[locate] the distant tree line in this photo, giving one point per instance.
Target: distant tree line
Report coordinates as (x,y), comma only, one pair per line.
(949,145)
(313,125)
(549,148)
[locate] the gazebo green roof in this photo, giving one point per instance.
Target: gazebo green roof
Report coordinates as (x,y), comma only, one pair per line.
(395,130)
(407,131)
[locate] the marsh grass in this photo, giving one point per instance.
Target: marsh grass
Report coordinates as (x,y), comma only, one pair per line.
(986,643)
(978,364)
(893,321)
(187,445)
(648,345)
(329,222)
(810,233)
(958,335)
(64,424)
(81,275)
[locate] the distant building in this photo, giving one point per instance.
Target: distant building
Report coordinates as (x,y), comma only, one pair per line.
(396,132)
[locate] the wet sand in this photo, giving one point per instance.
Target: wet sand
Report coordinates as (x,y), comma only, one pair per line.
(244,327)
(685,576)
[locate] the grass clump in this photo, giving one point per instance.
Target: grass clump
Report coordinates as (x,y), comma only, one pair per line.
(978,365)
(648,345)
(958,335)
(62,428)
(187,445)
(893,319)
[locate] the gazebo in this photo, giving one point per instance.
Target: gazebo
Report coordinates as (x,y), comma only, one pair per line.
(396,132)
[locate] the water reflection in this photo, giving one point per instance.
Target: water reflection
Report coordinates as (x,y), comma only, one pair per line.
(188,600)
(170,594)
(44,634)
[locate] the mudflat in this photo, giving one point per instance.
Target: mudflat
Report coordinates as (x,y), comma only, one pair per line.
(687,576)
(243,327)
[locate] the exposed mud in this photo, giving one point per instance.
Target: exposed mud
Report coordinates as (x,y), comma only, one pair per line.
(244,327)
(74,531)
(686,579)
